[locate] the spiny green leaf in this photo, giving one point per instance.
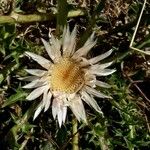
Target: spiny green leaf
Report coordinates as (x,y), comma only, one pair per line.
(20,95)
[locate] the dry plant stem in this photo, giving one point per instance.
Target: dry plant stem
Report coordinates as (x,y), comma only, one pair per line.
(135,31)
(68,141)
(75,139)
(136,86)
(143,95)
(24,143)
(50,139)
(39,17)
(103,144)
(148,124)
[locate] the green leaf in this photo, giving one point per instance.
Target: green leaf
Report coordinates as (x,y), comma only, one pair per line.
(27,127)
(20,95)
(48,146)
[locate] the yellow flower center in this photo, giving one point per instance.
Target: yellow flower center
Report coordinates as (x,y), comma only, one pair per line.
(67,76)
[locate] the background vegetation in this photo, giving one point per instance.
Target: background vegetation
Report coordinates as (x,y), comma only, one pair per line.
(126,121)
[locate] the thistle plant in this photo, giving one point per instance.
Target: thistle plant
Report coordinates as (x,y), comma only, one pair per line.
(74,72)
(69,77)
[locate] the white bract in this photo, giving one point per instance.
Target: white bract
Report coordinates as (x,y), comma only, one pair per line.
(68,77)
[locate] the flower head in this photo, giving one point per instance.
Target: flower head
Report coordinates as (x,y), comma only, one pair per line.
(68,78)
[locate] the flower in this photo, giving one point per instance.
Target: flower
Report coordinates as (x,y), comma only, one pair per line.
(68,78)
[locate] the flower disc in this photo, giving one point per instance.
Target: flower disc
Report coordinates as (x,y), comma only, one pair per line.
(67,76)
